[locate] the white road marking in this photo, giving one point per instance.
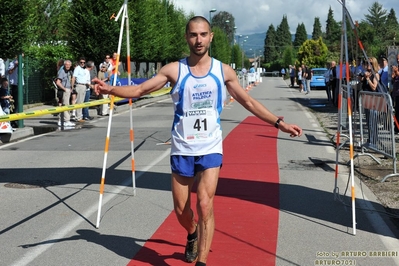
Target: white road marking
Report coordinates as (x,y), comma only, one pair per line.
(35,252)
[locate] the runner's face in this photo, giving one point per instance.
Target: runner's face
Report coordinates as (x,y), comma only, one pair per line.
(199,37)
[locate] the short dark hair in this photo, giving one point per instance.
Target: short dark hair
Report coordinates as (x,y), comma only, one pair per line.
(90,63)
(197,19)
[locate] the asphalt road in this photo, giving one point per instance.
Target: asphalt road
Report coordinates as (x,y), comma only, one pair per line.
(49,191)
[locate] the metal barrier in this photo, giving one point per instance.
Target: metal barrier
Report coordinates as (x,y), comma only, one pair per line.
(377,127)
(243,79)
(343,119)
(354,87)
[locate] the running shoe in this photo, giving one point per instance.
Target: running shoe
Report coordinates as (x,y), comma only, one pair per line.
(191,252)
(67,124)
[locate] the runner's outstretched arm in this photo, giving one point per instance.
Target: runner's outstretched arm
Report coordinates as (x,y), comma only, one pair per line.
(255,107)
(167,73)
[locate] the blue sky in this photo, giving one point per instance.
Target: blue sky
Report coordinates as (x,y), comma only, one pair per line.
(255,16)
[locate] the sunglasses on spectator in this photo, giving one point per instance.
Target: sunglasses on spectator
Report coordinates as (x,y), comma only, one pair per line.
(82,62)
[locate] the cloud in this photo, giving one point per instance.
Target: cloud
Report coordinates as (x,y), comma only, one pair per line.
(254,16)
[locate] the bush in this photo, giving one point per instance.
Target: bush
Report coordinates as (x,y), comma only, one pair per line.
(44,59)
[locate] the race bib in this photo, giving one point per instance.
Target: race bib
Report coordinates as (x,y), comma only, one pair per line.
(199,125)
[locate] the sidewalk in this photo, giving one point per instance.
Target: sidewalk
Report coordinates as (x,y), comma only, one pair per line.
(48,123)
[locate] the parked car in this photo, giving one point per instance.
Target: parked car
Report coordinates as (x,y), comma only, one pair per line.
(318,80)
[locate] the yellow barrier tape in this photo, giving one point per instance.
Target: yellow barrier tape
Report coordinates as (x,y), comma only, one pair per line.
(54,110)
(59,109)
(161,92)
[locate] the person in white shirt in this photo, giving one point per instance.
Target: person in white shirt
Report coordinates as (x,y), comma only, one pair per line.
(81,82)
(2,68)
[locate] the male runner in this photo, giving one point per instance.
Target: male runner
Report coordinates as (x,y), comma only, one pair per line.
(196,147)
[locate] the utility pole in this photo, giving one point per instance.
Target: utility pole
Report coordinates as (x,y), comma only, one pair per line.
(210,22)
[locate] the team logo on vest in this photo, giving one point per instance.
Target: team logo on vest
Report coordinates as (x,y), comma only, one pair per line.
(201,95)
(196,112)
(196,86)
(202,105)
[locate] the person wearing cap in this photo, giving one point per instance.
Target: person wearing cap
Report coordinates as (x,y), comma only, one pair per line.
(384,72)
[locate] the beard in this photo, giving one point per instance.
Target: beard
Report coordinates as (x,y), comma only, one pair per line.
(199,53)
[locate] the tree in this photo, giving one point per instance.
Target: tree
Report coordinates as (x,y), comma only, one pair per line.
(300,35)
(14,27)
(221,48)
(317,32)
(270,51)
(237,55)
(288,56)
(377,18)
(91,32)
(48,19)
(332,36)
(176,46)
(283,36)
(313,53)
(392,27)
(225,21)
(148,37)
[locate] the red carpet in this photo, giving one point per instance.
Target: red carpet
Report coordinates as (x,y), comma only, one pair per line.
(246,206)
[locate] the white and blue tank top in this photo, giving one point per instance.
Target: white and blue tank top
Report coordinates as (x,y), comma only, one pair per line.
(198,103)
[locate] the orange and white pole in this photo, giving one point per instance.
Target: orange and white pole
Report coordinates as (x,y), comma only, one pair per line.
(129,77)
(344,40)
(351,150)
(107,139)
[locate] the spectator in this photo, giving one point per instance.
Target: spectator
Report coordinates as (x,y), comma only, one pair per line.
(113,63)
(252,74)
(357,75)
(107,63)
(13,80)
(334,83)
(327,80)
(370,83)
(63,82)
(299,81)
(358,69)
(81,82)
(2,68)
(104,75)
(60,65)
(5,97)
(371,75)
(252,69)
(74,94)
(384,72)
(304,73)
(395,93)
(292,75)
(114,78)
(92,74)
(283,72)
(309,75)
